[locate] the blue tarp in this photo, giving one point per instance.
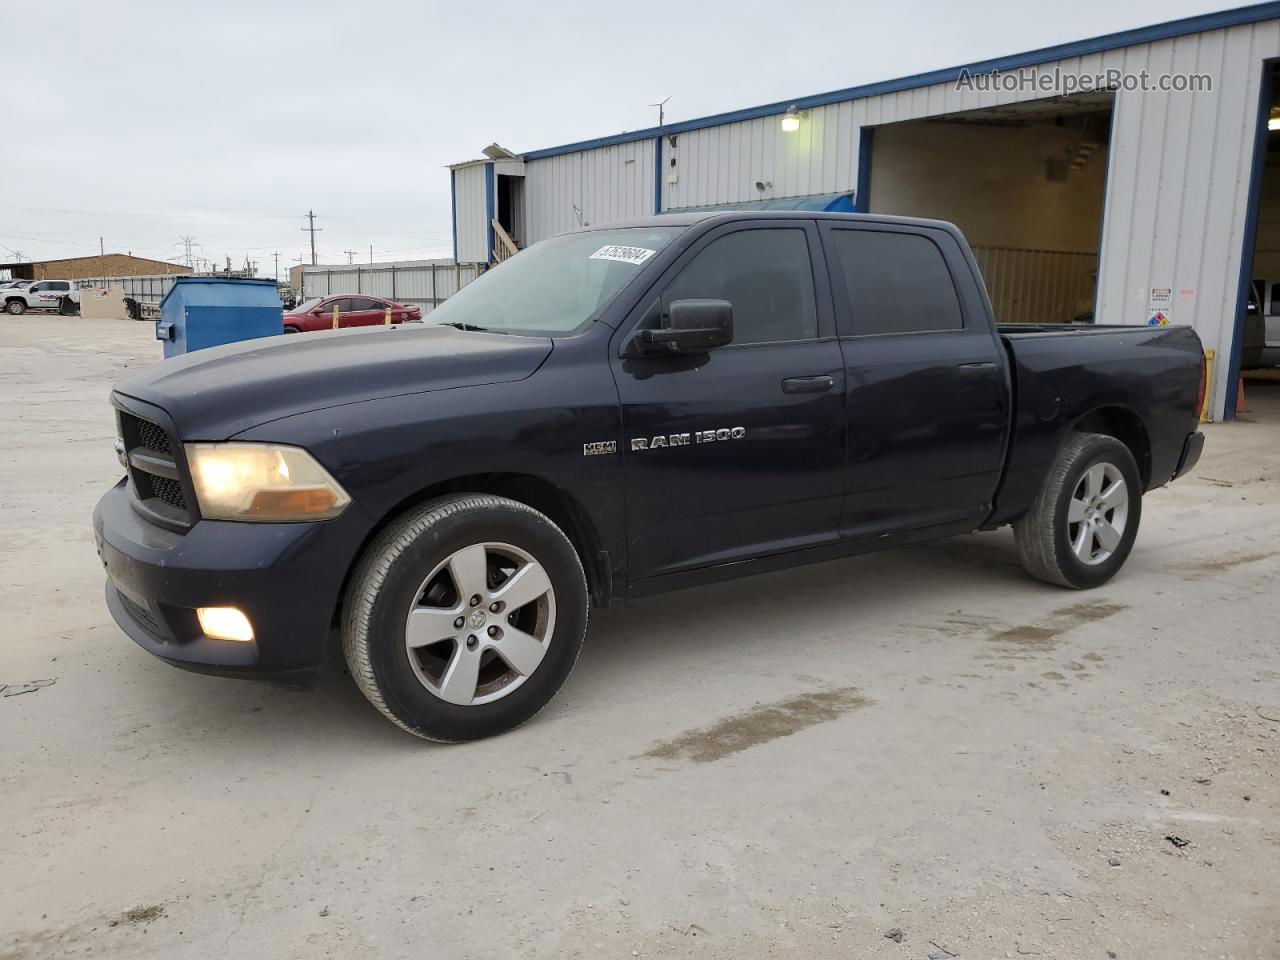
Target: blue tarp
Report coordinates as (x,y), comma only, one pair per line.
(831,202)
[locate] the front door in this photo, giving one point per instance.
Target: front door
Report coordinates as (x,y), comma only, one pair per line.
(927,386)
(737,452)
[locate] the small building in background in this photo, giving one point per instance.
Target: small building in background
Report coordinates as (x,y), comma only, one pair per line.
(80,268)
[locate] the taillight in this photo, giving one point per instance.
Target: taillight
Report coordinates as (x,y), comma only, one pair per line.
(1204,383)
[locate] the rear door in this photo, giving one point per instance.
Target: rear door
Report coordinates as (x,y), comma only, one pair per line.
(365,312)
(927,387)
(737,452)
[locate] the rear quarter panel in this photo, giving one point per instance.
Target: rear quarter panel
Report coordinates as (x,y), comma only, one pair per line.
(1061,376)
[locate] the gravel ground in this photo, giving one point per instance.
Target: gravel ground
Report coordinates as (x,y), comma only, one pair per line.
(922,743)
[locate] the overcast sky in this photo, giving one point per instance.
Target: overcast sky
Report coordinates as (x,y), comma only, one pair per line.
(142,122)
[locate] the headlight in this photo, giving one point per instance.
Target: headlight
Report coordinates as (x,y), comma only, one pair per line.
(262,482)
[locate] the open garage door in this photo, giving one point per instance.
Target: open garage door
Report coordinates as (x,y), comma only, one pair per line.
(1026,182)
(1259,338)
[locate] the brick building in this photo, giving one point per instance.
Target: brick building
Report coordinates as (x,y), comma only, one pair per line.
(77,268)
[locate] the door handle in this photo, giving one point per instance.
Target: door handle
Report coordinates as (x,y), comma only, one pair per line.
(979,366)
(807,384)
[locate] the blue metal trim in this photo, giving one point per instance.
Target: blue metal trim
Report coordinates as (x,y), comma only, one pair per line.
(862,194)
(657,174)
(488,211)
(453,202)
(1102,220)
(1260,135)
(1077,48)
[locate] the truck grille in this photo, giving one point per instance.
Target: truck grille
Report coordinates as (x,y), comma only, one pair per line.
(153,438)
(154,472)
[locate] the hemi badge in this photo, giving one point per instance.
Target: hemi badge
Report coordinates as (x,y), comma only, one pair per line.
(599,448)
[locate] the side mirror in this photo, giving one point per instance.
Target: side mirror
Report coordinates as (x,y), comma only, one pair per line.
(691,326)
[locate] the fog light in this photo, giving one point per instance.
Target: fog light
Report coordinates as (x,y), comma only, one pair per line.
(224,623)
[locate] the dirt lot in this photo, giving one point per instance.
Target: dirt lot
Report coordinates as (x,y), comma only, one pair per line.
(924,743)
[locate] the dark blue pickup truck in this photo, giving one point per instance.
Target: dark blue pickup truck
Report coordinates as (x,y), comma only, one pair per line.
(613,413)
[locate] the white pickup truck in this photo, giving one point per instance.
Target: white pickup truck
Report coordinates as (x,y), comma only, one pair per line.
(60,295)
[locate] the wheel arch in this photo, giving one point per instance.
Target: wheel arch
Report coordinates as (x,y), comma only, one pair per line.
(560,506)
(1125,425)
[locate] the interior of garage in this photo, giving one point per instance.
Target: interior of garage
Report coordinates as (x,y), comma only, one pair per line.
(1260,346)
(1026,183)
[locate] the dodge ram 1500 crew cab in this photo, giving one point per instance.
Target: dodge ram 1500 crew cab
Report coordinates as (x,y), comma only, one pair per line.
(612,413)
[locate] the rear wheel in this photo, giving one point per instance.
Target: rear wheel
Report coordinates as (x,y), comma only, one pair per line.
(1082,524)
(291,330)
(465,616)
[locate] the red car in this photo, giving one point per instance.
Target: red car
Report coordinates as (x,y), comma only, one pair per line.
(354,310)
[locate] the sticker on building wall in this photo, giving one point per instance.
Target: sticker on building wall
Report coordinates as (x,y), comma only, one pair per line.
(635,255)
(1160,307)
(1185,294)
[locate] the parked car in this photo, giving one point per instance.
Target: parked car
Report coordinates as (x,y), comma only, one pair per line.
(1261,346)
(40,295)
(354,310)
(612,413)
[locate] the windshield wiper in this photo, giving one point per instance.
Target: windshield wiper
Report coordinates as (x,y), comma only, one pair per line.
(459,325)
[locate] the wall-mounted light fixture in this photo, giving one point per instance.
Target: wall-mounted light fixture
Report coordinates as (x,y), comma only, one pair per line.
(791,120)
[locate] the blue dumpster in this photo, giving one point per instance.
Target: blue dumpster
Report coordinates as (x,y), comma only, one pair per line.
(200,312)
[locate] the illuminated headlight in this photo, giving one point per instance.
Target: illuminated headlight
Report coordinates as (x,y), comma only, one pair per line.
(262,482)
(225,623)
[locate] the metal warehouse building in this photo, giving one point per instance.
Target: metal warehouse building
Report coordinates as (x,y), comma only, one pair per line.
(1126,178)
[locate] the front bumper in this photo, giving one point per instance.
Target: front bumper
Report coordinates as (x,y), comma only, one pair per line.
(286,577)
(1191,450)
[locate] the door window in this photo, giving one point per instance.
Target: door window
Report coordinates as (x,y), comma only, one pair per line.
(343,305)
(896,283)
(364,303)
(767,277)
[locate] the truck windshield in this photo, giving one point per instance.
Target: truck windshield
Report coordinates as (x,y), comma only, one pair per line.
(554,286)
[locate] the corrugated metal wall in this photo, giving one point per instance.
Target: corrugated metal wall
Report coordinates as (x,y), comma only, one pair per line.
(423,283)
(1037,286)
(1177,189)
(470,212)
(591,187)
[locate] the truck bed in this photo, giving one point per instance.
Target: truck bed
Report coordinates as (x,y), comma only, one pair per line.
(1143,379)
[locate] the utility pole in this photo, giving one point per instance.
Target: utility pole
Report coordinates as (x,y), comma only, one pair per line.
(351,256)
(101,250)
(187,243)
(312,228)
(277,268)
(371,254)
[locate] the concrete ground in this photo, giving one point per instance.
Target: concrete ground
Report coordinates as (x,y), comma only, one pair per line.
(923,743)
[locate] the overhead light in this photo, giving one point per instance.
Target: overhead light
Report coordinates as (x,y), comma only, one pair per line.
(1273,123)
(791,120)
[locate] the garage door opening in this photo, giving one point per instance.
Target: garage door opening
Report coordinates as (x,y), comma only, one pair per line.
(1260,339)
(1026,182)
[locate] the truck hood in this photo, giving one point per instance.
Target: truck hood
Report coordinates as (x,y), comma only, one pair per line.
(216,393)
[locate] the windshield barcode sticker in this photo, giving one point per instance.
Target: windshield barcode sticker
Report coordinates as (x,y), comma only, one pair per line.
(636,255)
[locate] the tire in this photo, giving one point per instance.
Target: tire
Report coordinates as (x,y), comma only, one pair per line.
(15,308)
(292,330)
(1089,551)
(68,307)
(407,575)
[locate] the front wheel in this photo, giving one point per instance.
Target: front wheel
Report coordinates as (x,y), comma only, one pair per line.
(16,307)
(465,616)
(1082,524)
